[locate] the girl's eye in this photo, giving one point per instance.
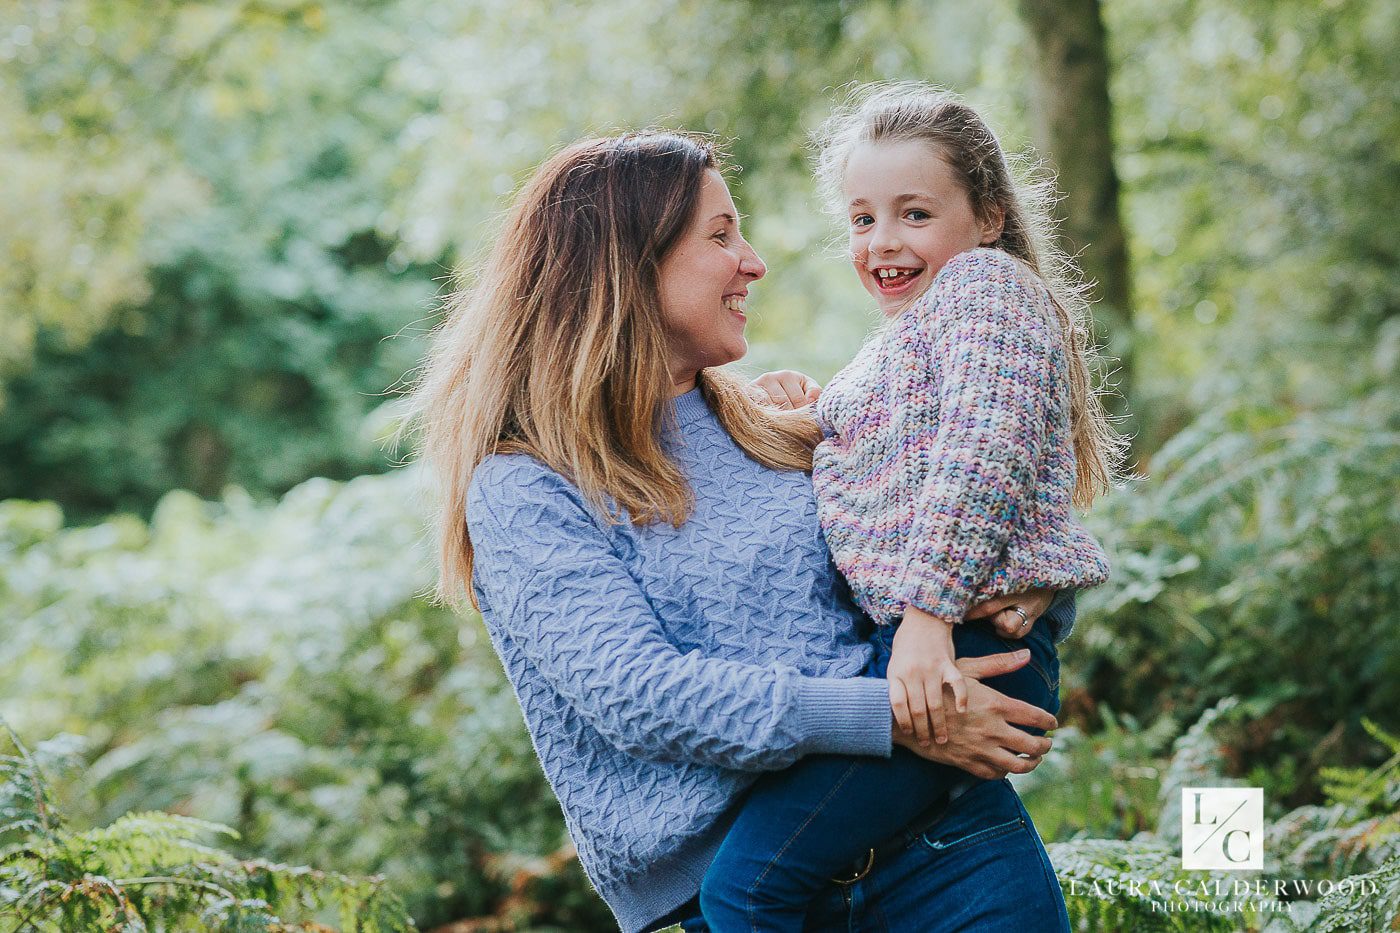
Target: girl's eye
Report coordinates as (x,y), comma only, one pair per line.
(862,220)
(917,214)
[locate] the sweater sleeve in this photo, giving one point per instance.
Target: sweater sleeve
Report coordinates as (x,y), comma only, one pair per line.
(552,584)
(992,367)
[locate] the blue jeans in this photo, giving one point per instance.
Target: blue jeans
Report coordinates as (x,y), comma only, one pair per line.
(979,868)
(817,820)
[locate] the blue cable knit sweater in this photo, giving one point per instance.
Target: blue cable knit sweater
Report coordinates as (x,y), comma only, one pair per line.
(658,668)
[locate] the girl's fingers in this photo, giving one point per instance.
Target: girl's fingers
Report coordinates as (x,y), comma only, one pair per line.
(933,695)
(918,711)
(937,713)
(899,705)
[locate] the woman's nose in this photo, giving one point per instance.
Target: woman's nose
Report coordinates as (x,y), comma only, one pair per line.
(751,265)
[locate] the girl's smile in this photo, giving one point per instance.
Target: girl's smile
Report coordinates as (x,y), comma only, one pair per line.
(896,282)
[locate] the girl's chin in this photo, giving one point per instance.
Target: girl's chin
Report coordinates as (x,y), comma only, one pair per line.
(893,302)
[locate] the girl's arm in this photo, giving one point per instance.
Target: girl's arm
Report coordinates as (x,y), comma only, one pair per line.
(997,352)
(551,585)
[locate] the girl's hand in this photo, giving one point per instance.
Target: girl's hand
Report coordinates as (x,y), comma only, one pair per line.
(921,667)
(785,388)
(985,741)
(1007,621)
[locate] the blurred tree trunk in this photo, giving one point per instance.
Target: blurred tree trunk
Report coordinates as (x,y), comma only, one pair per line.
(1073,124)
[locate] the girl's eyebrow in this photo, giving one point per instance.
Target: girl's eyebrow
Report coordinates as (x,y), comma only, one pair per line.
(899,199)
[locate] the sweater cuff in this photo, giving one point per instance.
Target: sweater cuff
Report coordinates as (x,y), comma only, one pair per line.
(845,715)
(942,600)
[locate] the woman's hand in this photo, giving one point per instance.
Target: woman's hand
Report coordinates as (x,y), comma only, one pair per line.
(1007,621)
(785,388)
(984,741)
(921,668)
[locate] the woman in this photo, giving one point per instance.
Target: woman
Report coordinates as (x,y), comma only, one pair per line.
(643,545)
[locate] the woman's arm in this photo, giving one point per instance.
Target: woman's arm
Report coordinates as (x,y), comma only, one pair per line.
(551,583)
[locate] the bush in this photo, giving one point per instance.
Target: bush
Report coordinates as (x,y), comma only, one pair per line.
(1260,561)
(154,870)
(272,668)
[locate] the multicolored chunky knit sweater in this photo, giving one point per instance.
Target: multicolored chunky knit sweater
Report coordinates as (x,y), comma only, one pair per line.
(947,471)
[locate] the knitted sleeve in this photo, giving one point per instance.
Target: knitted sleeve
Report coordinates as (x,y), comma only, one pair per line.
(552,585)
(992,369)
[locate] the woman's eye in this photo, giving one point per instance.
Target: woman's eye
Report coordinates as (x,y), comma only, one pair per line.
(721,236)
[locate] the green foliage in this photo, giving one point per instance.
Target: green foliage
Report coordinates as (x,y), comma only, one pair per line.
(273,669)
(213,213)
(247,343)
(1259,156)
(1104,783)
(154,870)
(1260,562)
(1347,853)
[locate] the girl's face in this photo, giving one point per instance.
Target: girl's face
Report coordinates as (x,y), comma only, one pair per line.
(704,283)
(908,216)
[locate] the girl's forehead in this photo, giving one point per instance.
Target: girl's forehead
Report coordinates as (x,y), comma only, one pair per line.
(898,164)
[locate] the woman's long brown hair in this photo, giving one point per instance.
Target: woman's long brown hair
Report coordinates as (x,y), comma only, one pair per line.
(555,346)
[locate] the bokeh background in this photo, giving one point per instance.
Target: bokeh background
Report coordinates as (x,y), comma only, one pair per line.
(225,227)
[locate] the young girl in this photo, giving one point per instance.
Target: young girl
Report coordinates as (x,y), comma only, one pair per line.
(956,445)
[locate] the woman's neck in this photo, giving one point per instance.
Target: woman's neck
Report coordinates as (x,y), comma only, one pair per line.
(681,384)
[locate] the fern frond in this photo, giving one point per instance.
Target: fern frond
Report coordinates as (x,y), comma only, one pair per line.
(1369,901)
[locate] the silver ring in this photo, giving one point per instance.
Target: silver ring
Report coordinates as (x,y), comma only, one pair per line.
(1025,619)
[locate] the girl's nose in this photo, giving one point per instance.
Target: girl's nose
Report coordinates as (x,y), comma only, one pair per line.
(884,240)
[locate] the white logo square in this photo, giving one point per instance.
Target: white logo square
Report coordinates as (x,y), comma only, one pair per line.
(1222,828)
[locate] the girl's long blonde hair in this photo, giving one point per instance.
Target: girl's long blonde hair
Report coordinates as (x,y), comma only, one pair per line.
(555,346)
(913,111)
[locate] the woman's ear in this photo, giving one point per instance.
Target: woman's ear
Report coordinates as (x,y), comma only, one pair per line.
(992,226)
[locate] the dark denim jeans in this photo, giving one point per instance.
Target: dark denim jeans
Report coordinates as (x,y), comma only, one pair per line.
(981,868)
(801,827)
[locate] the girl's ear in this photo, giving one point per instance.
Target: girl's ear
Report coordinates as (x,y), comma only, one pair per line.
(992,226)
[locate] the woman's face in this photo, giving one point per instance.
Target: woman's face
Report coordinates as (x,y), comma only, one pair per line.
(704,283)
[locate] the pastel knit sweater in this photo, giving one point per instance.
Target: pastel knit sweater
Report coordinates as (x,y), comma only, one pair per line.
(659,668)
(947,471)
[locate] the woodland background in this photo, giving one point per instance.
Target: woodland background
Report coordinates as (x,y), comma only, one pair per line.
(224,229)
